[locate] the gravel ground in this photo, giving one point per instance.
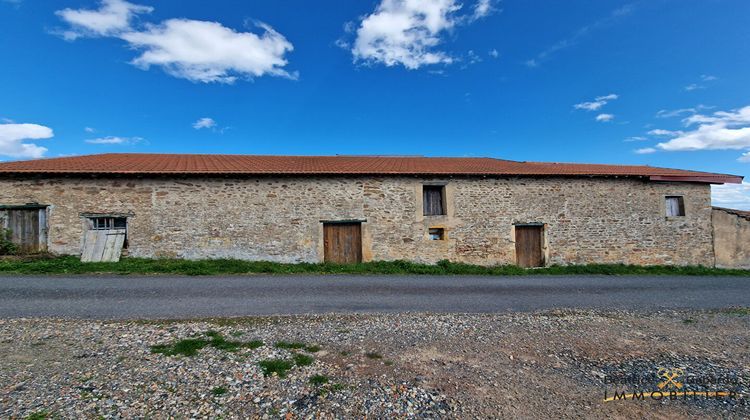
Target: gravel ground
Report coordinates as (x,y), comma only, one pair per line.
(554,364)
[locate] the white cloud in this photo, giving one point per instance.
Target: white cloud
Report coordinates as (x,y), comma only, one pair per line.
(204,123)
(646,151)
(745,158)
(660,132)
(12,138)
(696,86)
(408,32)
(482,9)
(209,52)
(115,140)
(636,138)
(89,129)
(494,53)
(735,196)
(720,131)
(605,117)
(112,18)
(195,50)
(667,113)
(597,103)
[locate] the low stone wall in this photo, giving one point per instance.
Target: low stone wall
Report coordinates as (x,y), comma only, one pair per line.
(731,238)
(587,220)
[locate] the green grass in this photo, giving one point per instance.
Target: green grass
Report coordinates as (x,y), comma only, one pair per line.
(302,360)
(191,346)
(318,380)
(277,366)
(72,265)
(218,391)
(289,346)
(736,311)
(38,415)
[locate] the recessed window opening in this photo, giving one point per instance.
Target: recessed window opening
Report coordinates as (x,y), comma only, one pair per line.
(108,223)
(436,234)
(675,206)
(433,200)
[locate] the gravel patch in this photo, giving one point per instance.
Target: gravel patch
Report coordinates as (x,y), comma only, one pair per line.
(551,364)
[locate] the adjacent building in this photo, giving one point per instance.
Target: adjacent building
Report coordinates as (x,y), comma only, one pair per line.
(359,208)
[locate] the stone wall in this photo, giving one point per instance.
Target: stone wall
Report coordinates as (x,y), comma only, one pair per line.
(587,220)
(731,238)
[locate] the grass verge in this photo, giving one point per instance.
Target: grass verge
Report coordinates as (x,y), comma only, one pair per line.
(72,265)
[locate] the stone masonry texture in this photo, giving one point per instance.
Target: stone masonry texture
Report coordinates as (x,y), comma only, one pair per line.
(586,220)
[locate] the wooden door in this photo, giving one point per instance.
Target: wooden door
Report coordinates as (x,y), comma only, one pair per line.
(25,227)
(529,241)
(342,242)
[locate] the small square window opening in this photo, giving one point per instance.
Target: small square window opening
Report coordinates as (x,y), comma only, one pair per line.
(436,234)
(675,206)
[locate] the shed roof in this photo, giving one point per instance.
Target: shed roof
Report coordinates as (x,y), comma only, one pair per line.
(187,164)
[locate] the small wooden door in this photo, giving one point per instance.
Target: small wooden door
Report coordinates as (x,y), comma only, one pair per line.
(529,241)
(342,242)
(25,228)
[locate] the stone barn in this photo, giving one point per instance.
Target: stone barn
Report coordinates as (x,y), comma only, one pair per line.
(359,208)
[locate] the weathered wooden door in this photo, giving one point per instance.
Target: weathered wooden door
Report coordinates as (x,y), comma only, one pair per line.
(529,246)
(342,242)
(25,227)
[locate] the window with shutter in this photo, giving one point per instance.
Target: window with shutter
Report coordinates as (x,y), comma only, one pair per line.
(675,206)
(433,200)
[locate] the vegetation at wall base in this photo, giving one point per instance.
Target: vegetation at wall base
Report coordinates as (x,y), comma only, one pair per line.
(7,247)
(72,265)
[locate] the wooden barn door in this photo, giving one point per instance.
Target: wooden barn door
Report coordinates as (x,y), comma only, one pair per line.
(25,228)
(529,241)
(342,242)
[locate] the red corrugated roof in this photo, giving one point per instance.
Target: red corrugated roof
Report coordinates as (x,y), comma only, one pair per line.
(143,164)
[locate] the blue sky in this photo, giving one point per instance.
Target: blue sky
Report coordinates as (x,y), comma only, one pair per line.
(658,82)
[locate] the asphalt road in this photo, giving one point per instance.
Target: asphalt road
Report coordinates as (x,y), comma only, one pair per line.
(124,297)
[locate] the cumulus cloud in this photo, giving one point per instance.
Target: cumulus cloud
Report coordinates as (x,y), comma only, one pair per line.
(210,52)
(115,140)
(646,151)
(12,138)
(408,32)
(199,51)
(112,18)
(597,103)
(204,123)
(722,130)
(605,117)
(735,196)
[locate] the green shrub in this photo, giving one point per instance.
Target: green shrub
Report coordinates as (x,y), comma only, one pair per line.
(6,246)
